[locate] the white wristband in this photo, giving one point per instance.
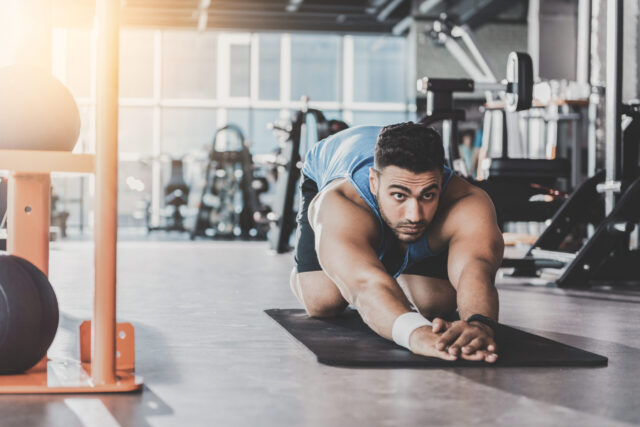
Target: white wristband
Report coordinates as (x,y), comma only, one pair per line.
(404,325)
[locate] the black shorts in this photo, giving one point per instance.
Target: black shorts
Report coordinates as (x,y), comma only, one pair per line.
(307,259)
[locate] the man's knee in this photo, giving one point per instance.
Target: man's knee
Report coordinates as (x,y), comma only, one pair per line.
(318,294)
(431,297)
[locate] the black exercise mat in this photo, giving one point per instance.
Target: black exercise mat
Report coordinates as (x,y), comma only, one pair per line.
(347,341)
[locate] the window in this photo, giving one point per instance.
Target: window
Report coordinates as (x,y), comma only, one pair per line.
(240,118)
(186,130)
(134,192)
(240,57)
(269,67)
(262,138)
(379,69)
(315,67)
(135,130)
(188,64)
(178,86)
(136,64)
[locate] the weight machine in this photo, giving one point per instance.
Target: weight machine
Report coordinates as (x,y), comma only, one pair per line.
(289,166)
(609,200)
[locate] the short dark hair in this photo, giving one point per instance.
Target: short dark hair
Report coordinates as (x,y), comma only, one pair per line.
(410,146)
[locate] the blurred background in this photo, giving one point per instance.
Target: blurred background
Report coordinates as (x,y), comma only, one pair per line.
(190,67)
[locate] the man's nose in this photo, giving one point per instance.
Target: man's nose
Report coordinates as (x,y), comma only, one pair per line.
(413,213)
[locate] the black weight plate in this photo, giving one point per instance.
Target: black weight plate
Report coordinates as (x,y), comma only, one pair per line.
(519,76)
(50,313)
(22,309)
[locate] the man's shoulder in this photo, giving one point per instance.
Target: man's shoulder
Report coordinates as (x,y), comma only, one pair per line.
(462,206)
(341,193)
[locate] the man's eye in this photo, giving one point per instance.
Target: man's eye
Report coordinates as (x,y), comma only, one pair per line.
(398,196)
(428,196)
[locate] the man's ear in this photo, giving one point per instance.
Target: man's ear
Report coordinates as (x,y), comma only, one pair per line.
(373,181)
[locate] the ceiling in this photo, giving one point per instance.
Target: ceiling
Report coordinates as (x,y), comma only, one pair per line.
(342,16)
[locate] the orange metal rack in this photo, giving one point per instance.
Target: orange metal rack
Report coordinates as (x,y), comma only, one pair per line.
(107,348)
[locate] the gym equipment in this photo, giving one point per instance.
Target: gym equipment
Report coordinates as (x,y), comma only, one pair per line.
(26,104)
(512,184)
(176,196)
(610,200)
(517,89)
(26,151)
(3,214)
(289,166)
(231,194)
(347,341)
(28,315)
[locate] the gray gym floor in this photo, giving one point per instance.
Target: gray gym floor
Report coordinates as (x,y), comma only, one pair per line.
(210,356)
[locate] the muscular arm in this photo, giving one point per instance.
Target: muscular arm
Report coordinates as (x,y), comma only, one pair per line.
(475,253)
(346,234)
(476,248)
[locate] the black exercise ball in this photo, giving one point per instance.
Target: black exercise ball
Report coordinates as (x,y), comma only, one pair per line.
(28,314)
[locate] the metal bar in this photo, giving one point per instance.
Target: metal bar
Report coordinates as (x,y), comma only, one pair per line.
(388,9)
(106,199)
(463,59)
(533,35)
(28,205)
(554,255)
(46,161)
(402,26)
(592,143)
(613,96)
(426,6)
(464,32)
(576,156)
(584,30)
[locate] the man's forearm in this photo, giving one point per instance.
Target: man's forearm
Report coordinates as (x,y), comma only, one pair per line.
(380,301)
(477,293)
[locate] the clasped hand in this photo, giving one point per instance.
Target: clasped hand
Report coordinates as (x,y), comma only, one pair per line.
(471,341)
(459,339)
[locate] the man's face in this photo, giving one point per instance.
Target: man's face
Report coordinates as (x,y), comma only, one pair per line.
(407,200)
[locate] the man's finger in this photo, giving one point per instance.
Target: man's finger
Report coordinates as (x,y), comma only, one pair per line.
(491,345)
(477,356)
(439,325)
(448,337)
(447,356)
(464,339)
(476,344)
(491,357)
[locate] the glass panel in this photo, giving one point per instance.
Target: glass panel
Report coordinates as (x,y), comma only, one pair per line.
(269,85)
(378,118)
(189,64)
(315,67)
(136,64)
(379,69)
(71,203)
(134,192)
(240,118)
(186,130)
(135,130)
(263,140)
(79,62)
(240,64)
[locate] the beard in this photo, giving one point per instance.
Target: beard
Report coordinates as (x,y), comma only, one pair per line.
(399,229)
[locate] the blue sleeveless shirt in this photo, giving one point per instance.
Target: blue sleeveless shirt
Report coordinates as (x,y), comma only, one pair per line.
(349,154)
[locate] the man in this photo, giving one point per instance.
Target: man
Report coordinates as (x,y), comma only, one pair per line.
(384,225)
